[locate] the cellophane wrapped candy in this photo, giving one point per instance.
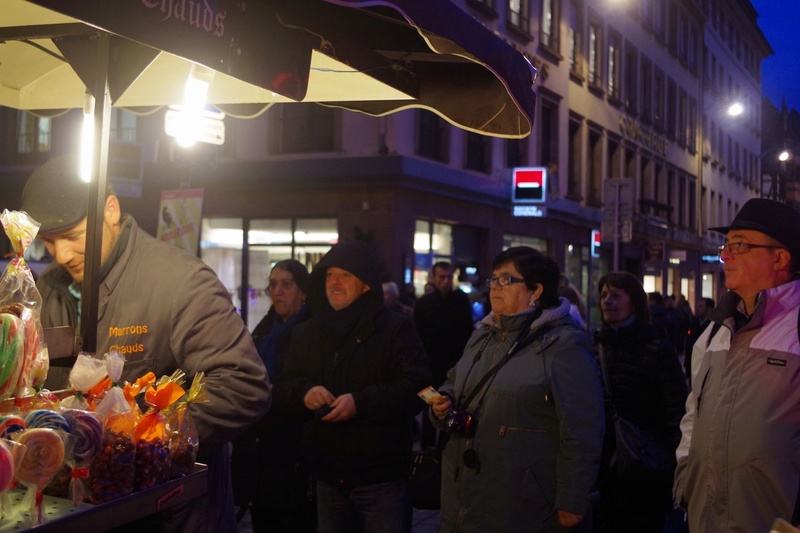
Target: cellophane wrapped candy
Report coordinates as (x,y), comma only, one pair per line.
(184,441)
(19,296)
(85,374)
(86,429)
(12,453)
(111,474)
(151,435)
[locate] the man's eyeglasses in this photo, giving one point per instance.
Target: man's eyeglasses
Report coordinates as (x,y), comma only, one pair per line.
(739,247)
(502,281)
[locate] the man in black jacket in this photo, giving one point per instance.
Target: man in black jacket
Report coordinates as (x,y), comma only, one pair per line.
(444,323)
(353,373)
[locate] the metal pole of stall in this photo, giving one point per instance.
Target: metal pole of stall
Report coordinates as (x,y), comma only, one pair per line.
(616,224)
(97,196)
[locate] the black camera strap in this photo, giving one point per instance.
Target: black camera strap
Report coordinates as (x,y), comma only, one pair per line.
(522,340)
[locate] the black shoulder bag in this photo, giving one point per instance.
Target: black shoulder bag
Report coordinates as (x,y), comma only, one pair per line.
(635,448)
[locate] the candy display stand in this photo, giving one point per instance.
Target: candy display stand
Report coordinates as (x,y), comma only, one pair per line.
(62,515)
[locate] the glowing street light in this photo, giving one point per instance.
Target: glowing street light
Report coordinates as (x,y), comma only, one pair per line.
(736,109)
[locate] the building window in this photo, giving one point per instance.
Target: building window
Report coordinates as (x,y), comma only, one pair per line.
(672,108)
(516,153)
(484,4)
(432,136)
(549,132)
(550,25)
(683,39)
(305,128)
(647,13)
(34,134)
(614,65)
(681,117)
(268,241)
(660,21)
(595,166)
(510,240)
(647,91)
(658,99)
(595,39)
(123,125)
(575,166)
(479,153)
(575,37)
(672,27)
(631,80)
(518,14)
(691,141)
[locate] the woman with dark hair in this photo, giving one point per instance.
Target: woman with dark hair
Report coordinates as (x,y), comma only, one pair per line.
(270,478)
(647,387)
(524,408)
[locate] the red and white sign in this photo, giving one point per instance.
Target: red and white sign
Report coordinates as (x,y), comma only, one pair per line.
(530,184)
(596,242)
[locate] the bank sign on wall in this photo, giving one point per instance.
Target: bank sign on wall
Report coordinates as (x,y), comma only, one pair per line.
(529,186)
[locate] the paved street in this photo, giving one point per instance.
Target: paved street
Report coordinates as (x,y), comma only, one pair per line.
(423,522)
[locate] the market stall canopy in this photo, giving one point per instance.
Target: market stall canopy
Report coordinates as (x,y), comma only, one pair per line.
(373,57)
(376,57)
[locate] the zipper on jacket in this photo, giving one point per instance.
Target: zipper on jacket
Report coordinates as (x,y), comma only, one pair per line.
(702,387)
(503,430)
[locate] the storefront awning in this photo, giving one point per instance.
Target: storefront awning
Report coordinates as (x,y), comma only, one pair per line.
(376,57)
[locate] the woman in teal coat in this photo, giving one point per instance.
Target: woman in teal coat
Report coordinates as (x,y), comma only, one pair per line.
(528,458)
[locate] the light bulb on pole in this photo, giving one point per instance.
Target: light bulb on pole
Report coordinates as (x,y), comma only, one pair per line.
(87,138)
(195,95)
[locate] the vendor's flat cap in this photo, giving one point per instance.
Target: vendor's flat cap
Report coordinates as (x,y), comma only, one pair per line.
(770,217)
(55,195)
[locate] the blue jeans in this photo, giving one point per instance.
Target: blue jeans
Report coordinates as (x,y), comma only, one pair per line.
(378,508)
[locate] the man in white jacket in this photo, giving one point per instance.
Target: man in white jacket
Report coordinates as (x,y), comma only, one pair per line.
(738,467)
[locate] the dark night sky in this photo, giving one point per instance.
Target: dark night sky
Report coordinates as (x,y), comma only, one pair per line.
(778,20)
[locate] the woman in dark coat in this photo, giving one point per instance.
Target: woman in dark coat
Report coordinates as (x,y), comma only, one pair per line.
(270,477)
(649,389)
(528,460)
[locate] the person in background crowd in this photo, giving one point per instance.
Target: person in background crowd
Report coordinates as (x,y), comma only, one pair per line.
(391,299)
(648,388)
(444,323)
(270,475)
(698,323)
(574,296)
(409,295)
(663,317)
(353,375)
(525,441)
(184,316)
(737,460)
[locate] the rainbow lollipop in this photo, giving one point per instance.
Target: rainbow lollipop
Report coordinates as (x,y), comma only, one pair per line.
(43,458)
(12,345)
(45,418)
(10,424)
(6,466)
(88,433)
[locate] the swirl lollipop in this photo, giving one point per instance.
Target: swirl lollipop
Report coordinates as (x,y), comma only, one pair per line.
(41,462)
(10,424)
(11,454)
(87,436)
(6,466)
(45,418)
(88,433)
